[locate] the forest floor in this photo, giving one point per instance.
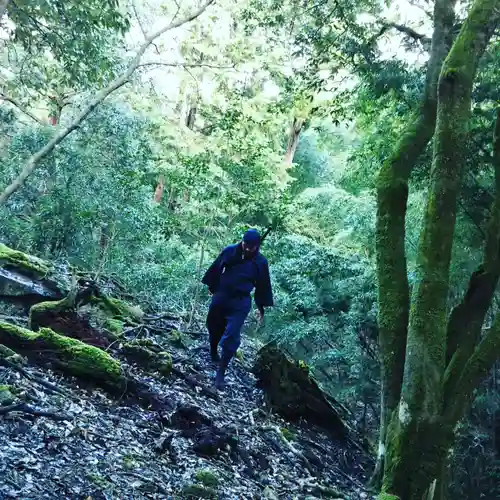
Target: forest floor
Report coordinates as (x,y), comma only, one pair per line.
(203,444)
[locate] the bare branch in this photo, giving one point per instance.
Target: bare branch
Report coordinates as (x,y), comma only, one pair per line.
(424,40)
(118,82)
(184,65)
(139,20)
(19,106)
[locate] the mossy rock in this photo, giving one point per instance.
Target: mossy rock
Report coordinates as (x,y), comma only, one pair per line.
(327,492)
(30,265)
(114,326)
(207,478)
(6,395)
(387,496)
(69,355)
(179,339)
(119,309)
(43,313)
(198,491)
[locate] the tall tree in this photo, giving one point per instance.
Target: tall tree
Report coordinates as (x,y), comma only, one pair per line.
(392,192)
(117,83)
(419,416)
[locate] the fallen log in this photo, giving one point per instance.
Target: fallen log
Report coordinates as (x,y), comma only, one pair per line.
(291,391)
(71,356)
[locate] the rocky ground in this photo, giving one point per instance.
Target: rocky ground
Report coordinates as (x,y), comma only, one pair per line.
(157,428)
(230,448)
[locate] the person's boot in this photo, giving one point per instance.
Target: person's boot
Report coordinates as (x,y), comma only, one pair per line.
(214,355)
(221,371)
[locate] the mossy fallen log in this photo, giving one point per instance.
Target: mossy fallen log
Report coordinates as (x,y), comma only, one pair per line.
(137,352)
(26,279)
(96,320)
(71,356)
(28,264)
(291,391)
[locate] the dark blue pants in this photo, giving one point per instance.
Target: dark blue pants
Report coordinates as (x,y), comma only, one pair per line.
(225,319)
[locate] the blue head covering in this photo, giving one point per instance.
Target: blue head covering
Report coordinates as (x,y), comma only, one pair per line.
(252,237)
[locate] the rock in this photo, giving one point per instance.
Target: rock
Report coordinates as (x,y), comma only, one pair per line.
(292,391)
(269,494)
(6,396)
(188,417)
(327,492)
(208,441)
(27,278)
(159,361)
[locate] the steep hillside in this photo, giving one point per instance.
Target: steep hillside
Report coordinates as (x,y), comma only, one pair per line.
(111,402)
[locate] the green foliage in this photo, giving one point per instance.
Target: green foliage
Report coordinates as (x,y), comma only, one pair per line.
(73,32)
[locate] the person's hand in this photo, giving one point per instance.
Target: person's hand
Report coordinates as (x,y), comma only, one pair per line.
(260,315)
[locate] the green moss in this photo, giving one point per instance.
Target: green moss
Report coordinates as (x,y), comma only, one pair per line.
(387,496)
(6,395)
(119,309)
(287,434)
(239,355)
(23,262)
(72,355)
(178,339)
(198,491)
(39,311)
(84,359)
(207,478)
(115,326)
(161,362)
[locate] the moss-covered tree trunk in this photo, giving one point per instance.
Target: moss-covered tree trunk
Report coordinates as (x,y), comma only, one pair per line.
(420,430)
(392,196)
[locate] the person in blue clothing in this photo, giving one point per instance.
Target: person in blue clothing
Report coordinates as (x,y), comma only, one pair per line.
(237,271)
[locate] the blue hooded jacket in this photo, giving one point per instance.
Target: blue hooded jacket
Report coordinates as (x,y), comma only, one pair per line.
(232,274)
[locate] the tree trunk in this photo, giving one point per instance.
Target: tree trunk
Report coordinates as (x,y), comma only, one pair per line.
(191,116)
(392,195)
(293,141)
(467,318)
(158,194)
(419,436)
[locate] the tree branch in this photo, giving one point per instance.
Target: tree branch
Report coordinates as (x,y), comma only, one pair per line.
(411,33)
(467,318)
(184,65)
(118,82)
(19,106)
(476,368)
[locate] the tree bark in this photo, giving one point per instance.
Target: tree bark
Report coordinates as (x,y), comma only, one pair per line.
(467,318)
(419,435)
(118,82)
(392,196)
(293,141)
